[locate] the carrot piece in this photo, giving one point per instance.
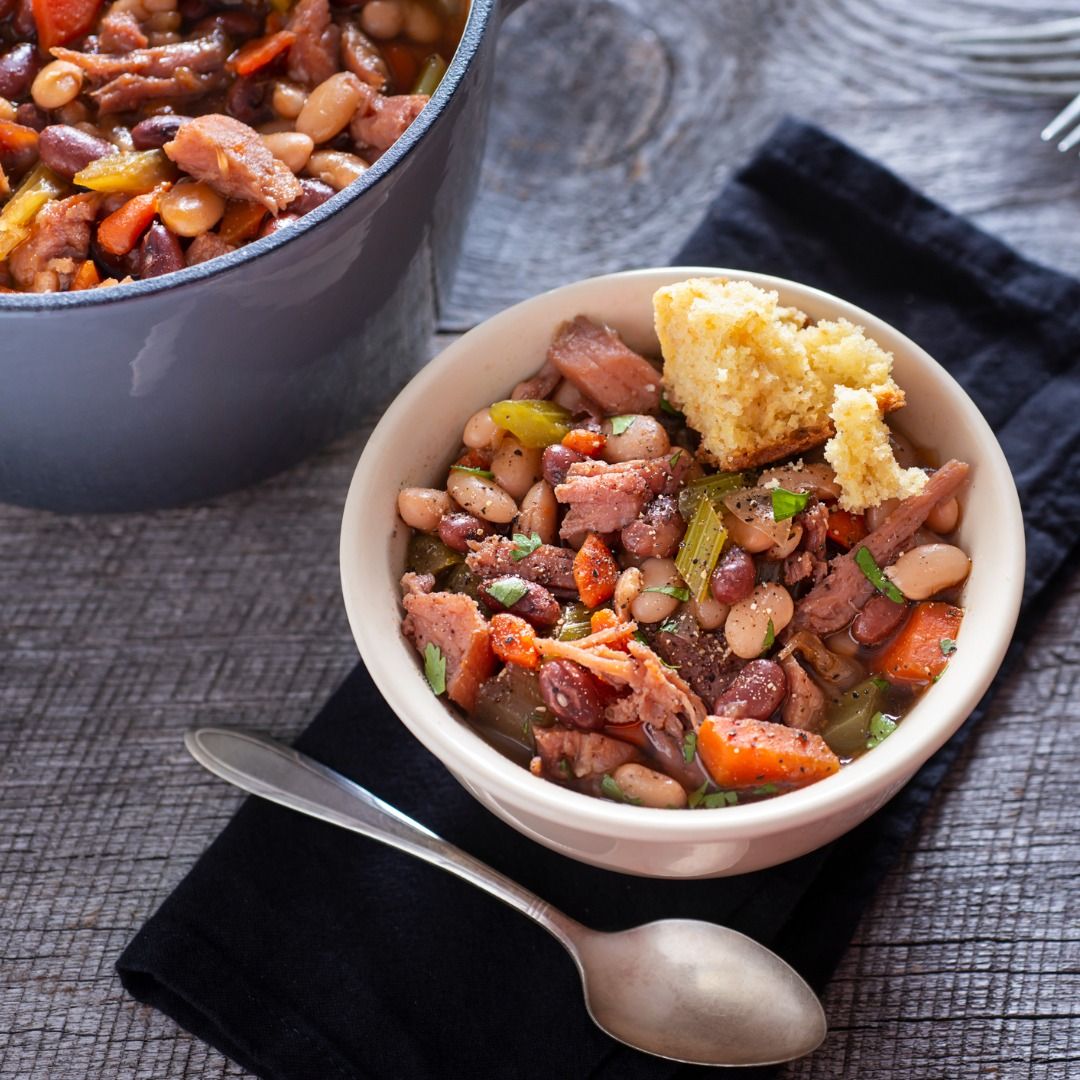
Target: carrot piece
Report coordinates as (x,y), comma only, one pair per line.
(595,572)
(845,528)
(86,277)
(241,221)
(120,231)
(58,21)
(403,65)
(584,441)
(513,641)
(604,619)
(15,137)
(916,654)
(258,53)
(475,459)
(744,753)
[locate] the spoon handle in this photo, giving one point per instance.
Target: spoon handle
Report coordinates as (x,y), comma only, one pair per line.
(274,771)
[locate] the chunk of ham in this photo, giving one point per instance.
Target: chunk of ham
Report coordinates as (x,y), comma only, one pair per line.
(360,56)
(702,658)
(129,92)
(59,238)
(120,32)
(452,622)
(595,359)
(562,754)
(206,247)
(550,566)
(386,120)
(604,497)
(233,159)
(833,603)
(539,386)
(201,54)
(804,706)
(313,56)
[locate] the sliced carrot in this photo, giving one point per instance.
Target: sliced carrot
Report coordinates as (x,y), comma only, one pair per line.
(258,53)
(475,459)
(86,277)
(403,65)
(595,572)
(916,654)
(14,137)
(584,441)
(59,21)
(604,619)
(120,231)
(513,641)
(241,221)
(845,528)
(745,753)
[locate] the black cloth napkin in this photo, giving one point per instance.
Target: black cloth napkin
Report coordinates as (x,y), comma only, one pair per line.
(303,951)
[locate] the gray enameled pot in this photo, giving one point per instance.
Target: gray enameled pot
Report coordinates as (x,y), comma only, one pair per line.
(182,387)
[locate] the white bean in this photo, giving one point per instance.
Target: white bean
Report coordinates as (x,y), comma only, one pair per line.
(515,467)
(945,516)
(627,590)
(382,19)
(540,513)
(653,607)
(926,570)
(710,613)
(877,514)
(644,438)
(818,478)
(649,787)
(422,25)
(568,396)
(291,147)
(481,432)
(423,508)
(903,451)
(330,106)
(482,497)
(748,537)
(747,623)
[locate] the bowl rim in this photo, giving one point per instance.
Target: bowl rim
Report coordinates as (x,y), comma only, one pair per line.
(480,15)
(471,758)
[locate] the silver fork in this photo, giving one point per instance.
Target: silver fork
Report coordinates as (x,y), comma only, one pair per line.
(1041,58)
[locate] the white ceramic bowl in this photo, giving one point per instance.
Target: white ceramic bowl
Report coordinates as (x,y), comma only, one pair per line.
(415,442)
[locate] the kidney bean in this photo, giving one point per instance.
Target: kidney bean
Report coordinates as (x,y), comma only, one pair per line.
(160,252)
(755,693)
(29,115)
(878,619)
(456,530)
(656,534)
(572,694)
(315,193)
(23,22)
(274,224)
(193,10)
(67,150)
(155,131)
(237,23)
(18,66)
(733,578)
(556,461)
(537,606)
(249,100)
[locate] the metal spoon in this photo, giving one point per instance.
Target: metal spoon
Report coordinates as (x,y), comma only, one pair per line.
(681,989)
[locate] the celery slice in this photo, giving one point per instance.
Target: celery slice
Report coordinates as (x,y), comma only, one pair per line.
(711,486)
(130,172)
(701,548)
(40,186)
(533,423)
(431,73)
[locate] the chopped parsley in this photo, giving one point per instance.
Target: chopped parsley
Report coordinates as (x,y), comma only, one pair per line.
(640,637)
(689,746)
(786,504)
(712,801)
(947,646)
(621,424)
(611,790)
(668,626)
(674,459)
(880,683)
(666,406)
(524,545)
(873,573)
(765,789)
(881,727)
(507,591)
(435,667)
(487,474)
(769,639)
(676,591)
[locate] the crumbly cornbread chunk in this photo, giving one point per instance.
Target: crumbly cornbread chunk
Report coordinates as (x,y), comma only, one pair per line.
(752,377)
(860,454)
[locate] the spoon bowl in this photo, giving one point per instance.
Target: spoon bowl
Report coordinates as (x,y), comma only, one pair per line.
(680,989)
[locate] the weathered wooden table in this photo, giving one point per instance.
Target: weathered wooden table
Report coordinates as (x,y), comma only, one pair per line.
(615,122)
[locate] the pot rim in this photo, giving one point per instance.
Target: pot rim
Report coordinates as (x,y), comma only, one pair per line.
(480,16)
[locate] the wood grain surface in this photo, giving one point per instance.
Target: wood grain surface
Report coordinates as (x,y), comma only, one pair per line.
(615,122)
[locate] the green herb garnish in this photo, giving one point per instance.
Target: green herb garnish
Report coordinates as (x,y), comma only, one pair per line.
(524,545)
(676,591)
(621,424)
(674,459)
(770,638)
(697,795)
(947,646)
(640,637)
(435,667)
(507,591)
(487,474)
(880,728)
(880,683)
(610,788)
(689,746)
(873,573)
(720,798)
(786,504)
(668,626)
(666,406)
(765,789)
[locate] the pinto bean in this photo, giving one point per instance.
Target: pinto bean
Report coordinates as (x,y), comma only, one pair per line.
(159,252)
(481,497)
(572,694)
(649,787)
(654,606)
(644,438)
(556,461)
(423,508)
(755,693)
(927,569)
(733,578)
(879,617)
(67,150)
(539,513)
(515,467)
(155,131)
(747,625)
(656,534)
(457,529)
(537,606)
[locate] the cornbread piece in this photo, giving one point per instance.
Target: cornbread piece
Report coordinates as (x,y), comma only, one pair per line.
(861,456)
(752,377)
